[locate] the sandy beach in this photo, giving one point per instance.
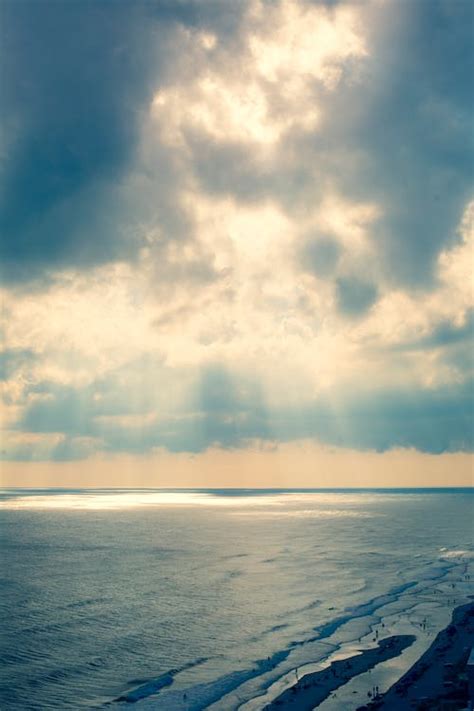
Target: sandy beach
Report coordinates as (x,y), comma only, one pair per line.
(313,688)
(438,679)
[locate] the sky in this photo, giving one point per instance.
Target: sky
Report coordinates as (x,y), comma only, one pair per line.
(237,243)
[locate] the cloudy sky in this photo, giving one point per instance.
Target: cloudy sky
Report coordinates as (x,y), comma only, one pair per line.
(237,242)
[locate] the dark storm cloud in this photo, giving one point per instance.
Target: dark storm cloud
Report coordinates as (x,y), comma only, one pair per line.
(406,131)
(13,360)
(233,409)
(221,411)
(230,412)
(445,334)
(355,295)
(435,421)
(75,78)
(69,88)
(320,255)
(66,410)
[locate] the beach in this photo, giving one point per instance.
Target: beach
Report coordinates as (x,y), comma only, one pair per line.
(314,688)
(438,680)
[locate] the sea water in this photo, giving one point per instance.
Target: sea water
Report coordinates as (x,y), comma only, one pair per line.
(212,599)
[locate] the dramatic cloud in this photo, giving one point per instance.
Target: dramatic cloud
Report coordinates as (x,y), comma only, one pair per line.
(234,223)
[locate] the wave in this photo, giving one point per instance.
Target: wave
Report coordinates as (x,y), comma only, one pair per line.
(153,686)
(201,696)
(456,553)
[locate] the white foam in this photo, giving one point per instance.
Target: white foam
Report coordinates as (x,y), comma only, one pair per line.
(456,553)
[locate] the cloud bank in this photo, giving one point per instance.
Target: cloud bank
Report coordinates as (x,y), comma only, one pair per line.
(224,225)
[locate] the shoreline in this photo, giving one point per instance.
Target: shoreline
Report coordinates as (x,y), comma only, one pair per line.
(313,688)
(419,616)
(438,677)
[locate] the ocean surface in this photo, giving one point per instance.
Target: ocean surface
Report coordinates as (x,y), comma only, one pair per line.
(212,599)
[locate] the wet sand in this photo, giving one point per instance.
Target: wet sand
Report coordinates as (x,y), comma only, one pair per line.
(313,688)
(437,680)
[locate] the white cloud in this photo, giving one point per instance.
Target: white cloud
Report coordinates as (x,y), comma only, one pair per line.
(262,315)
(256,92)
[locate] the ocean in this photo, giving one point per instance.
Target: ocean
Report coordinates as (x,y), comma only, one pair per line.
(200,599)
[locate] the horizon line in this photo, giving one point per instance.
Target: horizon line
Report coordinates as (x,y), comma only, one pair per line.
(237,488)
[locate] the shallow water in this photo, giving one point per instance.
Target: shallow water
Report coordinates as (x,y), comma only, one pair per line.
(153,595)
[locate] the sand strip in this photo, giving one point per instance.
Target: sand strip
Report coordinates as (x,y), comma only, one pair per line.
(313,688)
(438,679)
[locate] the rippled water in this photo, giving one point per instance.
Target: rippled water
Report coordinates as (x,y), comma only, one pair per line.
(153,595)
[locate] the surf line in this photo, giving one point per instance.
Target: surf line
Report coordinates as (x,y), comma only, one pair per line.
(313,688)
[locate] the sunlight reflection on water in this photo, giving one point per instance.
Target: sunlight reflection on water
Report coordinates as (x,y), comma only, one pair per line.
(135,499)
(311,513)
